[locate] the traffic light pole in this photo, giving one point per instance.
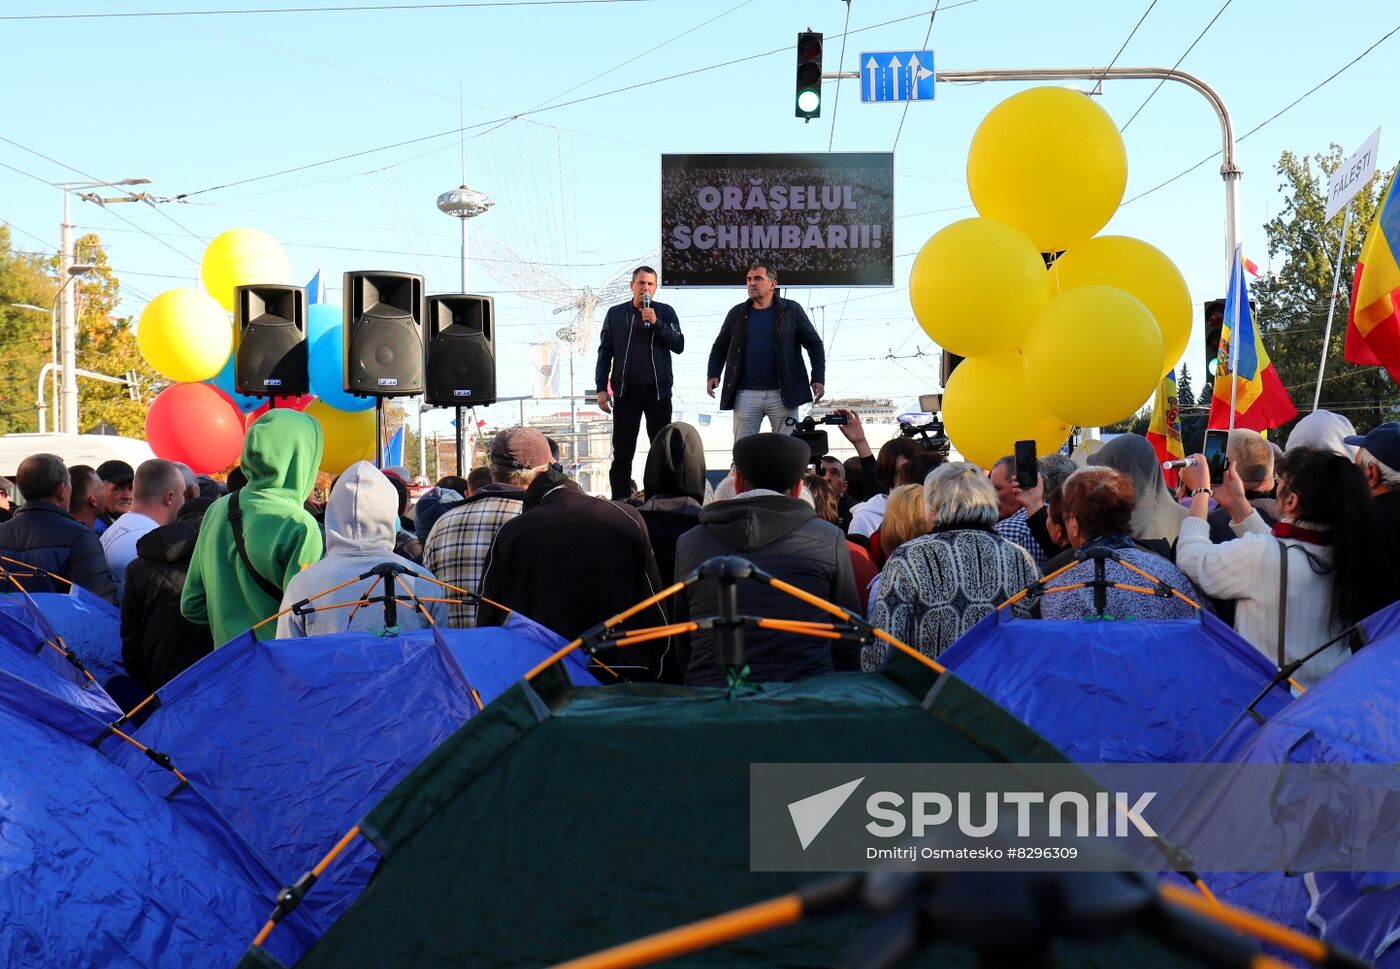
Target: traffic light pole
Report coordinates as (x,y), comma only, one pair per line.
(1230,172)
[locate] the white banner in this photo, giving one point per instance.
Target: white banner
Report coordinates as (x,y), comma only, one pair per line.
(1351,174)
(545,371)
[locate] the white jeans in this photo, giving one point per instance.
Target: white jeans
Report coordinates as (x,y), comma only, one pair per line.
(751,406)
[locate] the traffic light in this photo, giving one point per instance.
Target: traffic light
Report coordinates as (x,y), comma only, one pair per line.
(1215,318)
(809,75)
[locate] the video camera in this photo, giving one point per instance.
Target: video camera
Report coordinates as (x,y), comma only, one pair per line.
(806,430)
(926,430)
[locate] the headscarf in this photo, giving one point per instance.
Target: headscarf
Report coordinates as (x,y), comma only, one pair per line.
(1156,515)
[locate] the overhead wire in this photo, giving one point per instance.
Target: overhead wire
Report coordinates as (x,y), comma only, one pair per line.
(1126,41)
(344,8)
(563,104)
(927,34)
(1188,50)
(840,65)
(1277,114)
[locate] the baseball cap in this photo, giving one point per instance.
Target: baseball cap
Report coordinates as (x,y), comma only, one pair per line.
(1382,443)
(520,448)
(115,472)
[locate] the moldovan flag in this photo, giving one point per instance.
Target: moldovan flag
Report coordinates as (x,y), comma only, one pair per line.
(1261,402)
(1373,322)
(1165,430)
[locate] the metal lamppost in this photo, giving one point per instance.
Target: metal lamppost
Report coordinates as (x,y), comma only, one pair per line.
(68,316)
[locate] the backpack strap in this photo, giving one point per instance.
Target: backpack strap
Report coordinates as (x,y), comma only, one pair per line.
(1282,598)
(235,519)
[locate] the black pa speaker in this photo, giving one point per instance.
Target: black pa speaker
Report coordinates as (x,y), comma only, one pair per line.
(461,351)
(270,334)
(383,334)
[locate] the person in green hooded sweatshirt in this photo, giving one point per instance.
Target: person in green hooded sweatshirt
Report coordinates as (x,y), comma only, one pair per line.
(281,455)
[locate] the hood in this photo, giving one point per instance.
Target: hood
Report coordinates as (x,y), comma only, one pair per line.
(282,454)
(676,464)
(362,514)
(170,543)
(1324,430)
(435,503)
(746,524)
(1155,511)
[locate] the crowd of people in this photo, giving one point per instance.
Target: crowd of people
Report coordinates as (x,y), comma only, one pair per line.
(1292,546)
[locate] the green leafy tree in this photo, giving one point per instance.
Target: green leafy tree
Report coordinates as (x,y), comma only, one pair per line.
(24,333)
(1292,303)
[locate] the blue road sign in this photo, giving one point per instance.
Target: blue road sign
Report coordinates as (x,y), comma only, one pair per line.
(892,76)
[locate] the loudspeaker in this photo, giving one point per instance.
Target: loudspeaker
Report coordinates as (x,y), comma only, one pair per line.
(383,332)
(461,351)
(270,341)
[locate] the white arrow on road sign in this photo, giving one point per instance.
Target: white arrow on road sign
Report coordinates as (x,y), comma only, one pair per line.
(893,67)
(872,67)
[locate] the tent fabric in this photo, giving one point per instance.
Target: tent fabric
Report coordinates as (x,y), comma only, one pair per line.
(498,850)
(1352,716)
(24,652)
(146,877)
(293,740)
(1161,691)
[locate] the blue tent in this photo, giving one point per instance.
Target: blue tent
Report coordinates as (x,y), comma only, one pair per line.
(1352,716)
(294,740)
(30,650)
(100,868)
(1161,691)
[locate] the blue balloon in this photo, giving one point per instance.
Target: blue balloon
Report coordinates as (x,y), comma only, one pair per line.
(321,318)
(327,367)
(224,381)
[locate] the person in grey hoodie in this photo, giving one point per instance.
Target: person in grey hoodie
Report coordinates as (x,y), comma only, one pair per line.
(361,521)
(768,524)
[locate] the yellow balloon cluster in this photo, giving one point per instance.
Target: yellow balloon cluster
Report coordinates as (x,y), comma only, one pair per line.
(242,257)
(184,335)
(1084,343)
(349,435)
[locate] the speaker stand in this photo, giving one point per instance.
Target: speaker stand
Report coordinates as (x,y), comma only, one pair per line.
(461,440)
(379,433)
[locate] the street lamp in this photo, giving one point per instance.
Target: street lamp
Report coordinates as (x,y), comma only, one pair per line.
(67,304)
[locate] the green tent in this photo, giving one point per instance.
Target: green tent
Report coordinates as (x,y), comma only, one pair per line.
(561,821)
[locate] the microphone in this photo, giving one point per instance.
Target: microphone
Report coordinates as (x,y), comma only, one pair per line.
(1177,465)
(646,304)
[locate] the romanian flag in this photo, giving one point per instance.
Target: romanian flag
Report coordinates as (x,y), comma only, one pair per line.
(1261,402)
(1373,322)
(1165,430)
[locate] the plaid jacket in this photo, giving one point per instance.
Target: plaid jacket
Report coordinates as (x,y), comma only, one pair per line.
(456,547)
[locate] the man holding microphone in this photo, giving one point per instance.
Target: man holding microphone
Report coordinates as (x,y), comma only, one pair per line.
(635,348)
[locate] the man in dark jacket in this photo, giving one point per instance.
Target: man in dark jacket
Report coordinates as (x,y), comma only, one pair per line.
(44,535)
(571,562)
(635,348)
(778,532)
(759,348)
(158,642)
(1378,457)
(675,490)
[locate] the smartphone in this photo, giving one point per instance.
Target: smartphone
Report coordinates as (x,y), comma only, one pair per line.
(1216,442)
(1026,471)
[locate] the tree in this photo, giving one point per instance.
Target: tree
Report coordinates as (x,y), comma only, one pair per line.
(1292,303)
(24,333)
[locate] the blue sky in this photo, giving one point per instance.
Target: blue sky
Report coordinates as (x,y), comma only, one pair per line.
(195,102)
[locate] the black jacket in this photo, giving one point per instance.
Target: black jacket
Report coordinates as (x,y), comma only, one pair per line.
(615,343)
(784,537)
(571,562)
(158,643)
(792,331)
(44,535)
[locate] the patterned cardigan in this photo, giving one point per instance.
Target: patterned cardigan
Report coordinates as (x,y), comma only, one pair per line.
(936,587)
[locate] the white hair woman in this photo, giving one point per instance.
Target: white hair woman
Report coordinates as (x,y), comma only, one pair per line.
(937,586)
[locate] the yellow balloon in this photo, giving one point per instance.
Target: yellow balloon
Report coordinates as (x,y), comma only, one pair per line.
(1140,269)
(1094,356)
(184,335)
(976,286)
(1050,162)
(242,257)
(987,408)
(349,435)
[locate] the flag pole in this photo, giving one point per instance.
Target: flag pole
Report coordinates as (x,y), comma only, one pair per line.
(1332,306)
(1236,280)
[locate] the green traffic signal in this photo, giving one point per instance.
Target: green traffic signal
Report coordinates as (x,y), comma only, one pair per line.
(809,75)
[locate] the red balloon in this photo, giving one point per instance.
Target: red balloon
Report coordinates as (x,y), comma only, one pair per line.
(198,424)
(297,402)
